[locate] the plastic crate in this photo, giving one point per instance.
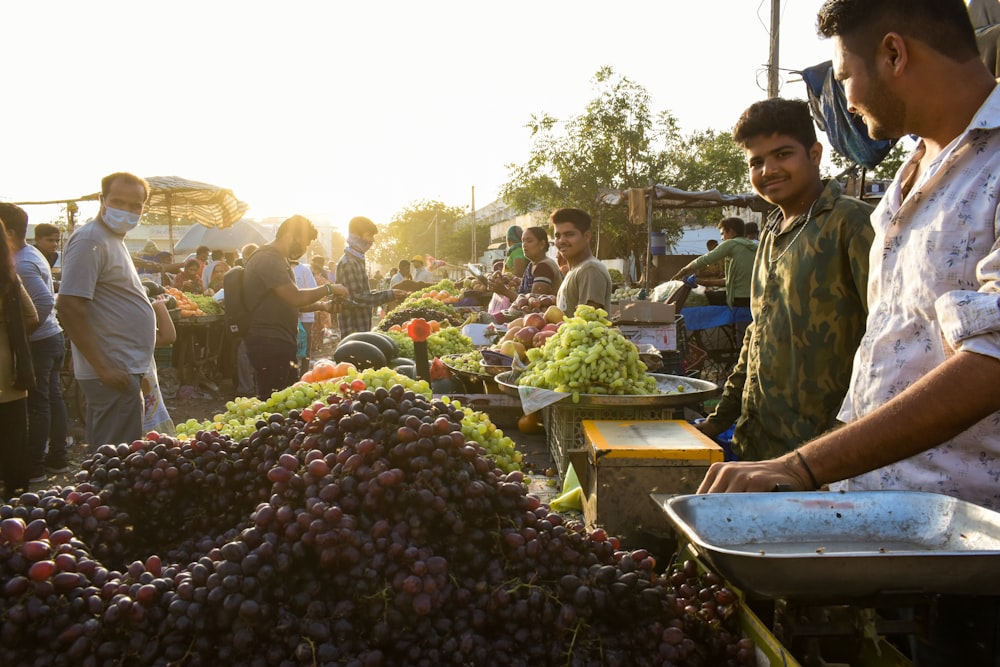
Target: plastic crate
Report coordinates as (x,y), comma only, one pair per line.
(564,423)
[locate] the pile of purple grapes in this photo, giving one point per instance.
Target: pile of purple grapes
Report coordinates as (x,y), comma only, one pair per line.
(374,534)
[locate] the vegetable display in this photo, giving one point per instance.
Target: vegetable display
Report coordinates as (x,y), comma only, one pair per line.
(588,356)
(375,533)
(426,308)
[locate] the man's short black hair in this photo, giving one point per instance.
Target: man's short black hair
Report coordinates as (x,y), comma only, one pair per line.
(46,229)
(361,226)
(202,250)
(294,223)
(776,116)
(734,225)
(15,219)
(579,218)
(944,25)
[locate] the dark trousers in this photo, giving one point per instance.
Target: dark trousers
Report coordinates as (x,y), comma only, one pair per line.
(274,364)
(14,447)
(46,409)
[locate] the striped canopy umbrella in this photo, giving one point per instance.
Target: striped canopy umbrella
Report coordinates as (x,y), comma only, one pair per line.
(209,205)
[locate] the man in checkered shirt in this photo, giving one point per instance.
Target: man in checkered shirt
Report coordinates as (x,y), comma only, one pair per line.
(356,311)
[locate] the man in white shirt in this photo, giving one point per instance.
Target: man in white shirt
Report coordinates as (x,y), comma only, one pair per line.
(922,410)
(420,271)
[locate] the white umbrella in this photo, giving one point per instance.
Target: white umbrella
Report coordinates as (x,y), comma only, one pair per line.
(230,239)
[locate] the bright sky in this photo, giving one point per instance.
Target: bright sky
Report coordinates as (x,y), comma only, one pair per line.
(338,109)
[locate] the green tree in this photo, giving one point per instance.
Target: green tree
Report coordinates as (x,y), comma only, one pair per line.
(705,160)
(619,143)
(423,228)
(612,144)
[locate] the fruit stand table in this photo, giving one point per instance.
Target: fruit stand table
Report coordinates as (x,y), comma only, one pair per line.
(198,347)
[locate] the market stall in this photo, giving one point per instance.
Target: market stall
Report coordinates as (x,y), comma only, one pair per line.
(435,521)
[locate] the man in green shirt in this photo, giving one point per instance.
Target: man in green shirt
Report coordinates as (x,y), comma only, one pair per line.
(807,294)
(738,253)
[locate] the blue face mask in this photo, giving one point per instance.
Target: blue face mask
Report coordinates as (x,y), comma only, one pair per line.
(118,221)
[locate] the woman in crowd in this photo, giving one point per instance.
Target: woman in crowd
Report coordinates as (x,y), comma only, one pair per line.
(542,276)
(189,278)
(19,319)
(211,277)
(515,262)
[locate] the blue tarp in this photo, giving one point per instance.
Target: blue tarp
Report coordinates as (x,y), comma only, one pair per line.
(697,318)
(847,133)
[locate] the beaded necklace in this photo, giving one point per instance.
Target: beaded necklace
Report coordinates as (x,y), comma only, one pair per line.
(770,248)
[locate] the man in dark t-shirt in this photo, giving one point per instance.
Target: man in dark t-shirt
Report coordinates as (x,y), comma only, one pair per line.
(276,301)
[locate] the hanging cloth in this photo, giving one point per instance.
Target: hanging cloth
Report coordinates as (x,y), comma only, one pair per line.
(847,133)
(637,206)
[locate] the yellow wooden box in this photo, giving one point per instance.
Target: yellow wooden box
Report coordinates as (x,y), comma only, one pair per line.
(622,462)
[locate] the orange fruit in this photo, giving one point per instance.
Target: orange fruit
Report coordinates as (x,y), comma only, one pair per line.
(343,368)
(323,370)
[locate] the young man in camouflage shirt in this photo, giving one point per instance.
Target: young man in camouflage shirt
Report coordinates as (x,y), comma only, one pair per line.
(807,293)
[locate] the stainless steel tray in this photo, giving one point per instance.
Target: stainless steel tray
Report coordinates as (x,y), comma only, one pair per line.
(695,391)
(829,545)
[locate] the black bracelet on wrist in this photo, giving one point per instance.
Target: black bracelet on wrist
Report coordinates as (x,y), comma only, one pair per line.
(812,477)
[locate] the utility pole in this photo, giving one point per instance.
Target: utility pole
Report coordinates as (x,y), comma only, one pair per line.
(474,253)
(772,60)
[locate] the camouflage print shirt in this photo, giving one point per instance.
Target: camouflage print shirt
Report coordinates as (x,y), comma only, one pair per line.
(809,308)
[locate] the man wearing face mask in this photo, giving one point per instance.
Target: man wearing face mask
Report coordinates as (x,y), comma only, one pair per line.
(106,314)
(275,302)
(356,314)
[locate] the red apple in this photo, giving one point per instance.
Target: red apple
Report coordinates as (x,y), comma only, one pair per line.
(535,320)
(525,335)
(541,337)
(552,326)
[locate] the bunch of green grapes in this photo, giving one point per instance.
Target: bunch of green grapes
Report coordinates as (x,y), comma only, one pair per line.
(449,340)
(478,427)
(468,362)
(444,285)
(386,377)
(242,414)
(404,343)
(588,356)
(208,305)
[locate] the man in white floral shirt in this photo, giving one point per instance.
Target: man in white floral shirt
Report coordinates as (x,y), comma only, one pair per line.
(923,403)
(923,409)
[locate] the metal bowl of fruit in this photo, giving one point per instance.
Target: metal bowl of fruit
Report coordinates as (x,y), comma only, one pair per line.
(466,366)
(493,363)
(675,390)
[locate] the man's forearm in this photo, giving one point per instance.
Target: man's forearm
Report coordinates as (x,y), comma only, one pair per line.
(942,404)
